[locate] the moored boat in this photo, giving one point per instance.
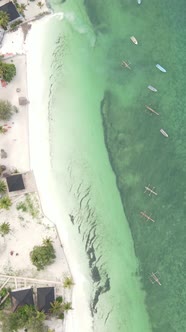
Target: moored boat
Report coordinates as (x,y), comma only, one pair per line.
(150,87)
(163,132)
(161,68)
(134,40)
(139,2)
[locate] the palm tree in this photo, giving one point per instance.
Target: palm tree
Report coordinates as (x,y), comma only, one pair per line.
(3,187)
(40,4)
(4,19)
(21,8)
(47,241)
(4,228)
(67,306)
(56,308)
(5,203)
(68,282)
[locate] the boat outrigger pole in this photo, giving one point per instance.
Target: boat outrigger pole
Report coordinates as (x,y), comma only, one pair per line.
(154,278)
(151,110)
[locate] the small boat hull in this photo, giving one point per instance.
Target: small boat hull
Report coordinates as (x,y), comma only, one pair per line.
(150,87)
(139,2)
(161,68)
(163,132)
(134,40)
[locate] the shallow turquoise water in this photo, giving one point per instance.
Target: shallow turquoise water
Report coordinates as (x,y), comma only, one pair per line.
(86,54)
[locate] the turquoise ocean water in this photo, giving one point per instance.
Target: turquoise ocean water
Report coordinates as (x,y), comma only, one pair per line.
(92,101)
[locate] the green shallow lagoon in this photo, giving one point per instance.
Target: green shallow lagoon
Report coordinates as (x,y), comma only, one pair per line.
(87,82)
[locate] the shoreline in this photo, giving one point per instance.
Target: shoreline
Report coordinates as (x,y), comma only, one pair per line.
(73,321)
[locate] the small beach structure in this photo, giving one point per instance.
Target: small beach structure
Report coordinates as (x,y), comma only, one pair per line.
(15,182)
(45,296)
(11,10)
(21,297)
(23,101)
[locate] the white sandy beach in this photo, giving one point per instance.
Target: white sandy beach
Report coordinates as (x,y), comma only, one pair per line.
(40,162)
(27,232)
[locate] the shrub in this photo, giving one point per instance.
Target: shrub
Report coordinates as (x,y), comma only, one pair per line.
(4,228)
(3,187)
(2,130)
(8,71)
(5,203)
(31,208)
(28,206)
(43,255)
(21,206)
(59,299)
(15,24)
(6,110)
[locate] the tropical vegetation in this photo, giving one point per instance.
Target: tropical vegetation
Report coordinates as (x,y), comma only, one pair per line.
(2,130)
(59,307)
(3,187)
(40,4)
(28,206)
(43,255)
(4,19)
(14,25)
(6,110)
(5,203)
(24,317)
(7,71)
(20,7)
(4,228)
(68,282)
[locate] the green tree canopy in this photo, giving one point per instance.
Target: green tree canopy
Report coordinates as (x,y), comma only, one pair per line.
(43,255)
(6,110)
(4,19)
(26,316)
(7,71)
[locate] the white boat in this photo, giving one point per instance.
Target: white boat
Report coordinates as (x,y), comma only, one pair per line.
(164,133)
(139,2)
(150,87)
(134,40)
(161,68)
